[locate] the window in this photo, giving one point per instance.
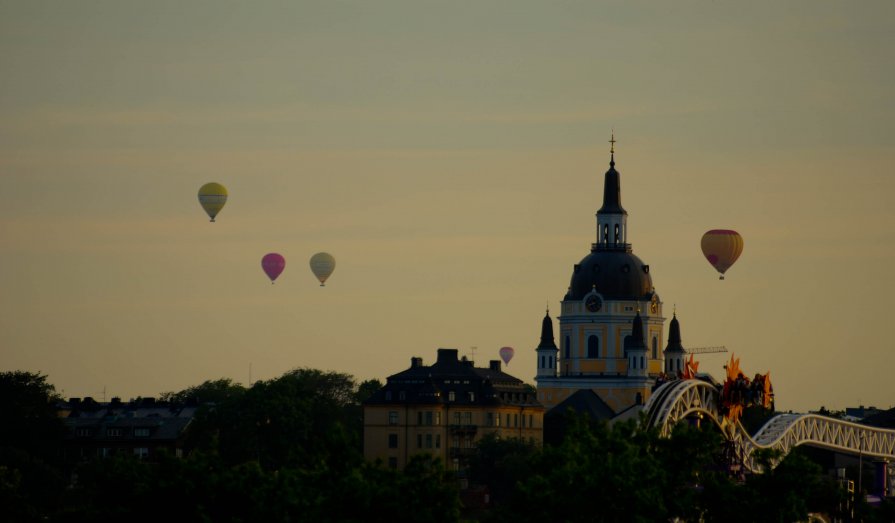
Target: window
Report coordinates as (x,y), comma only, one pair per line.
(428,441)
(114,432)
(467,418)
(438,441)
(567,346)
(530,421)
(392,463)
(419,441)
(497,420)
(452,396)
(508,421)
(543,361)
(388,395)
(471,397)
(593,347)
(489,419)
(141,432)
(429,417)
(437,418)
(456,418)
(141,452)
(402,395)
(642,366)
(392,441)
(655,348)
(84,432)
(515,420)
(393,417)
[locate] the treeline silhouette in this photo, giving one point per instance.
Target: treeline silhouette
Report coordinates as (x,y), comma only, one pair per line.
(289,449)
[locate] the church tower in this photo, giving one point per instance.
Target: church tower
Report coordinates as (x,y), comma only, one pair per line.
(547,350)
(611,292)
(674,352)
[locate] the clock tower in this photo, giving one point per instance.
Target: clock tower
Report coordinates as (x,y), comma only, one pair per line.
(610,302)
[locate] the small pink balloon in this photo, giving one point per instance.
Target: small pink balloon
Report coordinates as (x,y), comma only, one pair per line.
(506,354)
(273,264)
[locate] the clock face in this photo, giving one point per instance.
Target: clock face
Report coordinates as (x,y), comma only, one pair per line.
(593,303)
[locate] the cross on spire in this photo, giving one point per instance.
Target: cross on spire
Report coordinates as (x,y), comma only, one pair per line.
(612,141)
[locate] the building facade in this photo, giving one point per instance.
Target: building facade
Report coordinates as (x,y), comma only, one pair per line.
(445,408)
(611,322)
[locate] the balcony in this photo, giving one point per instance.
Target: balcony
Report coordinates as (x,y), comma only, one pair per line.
(463,429)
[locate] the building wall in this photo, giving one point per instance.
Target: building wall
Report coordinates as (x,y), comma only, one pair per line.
(395,433)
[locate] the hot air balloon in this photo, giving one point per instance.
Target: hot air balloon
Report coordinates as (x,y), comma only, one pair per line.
(212,197)
(322,265)
(721,248)
(273,264)
(506,354)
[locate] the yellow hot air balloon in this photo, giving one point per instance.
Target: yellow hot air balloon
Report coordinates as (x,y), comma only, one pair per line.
(322,265)
(212,197)
(721,248)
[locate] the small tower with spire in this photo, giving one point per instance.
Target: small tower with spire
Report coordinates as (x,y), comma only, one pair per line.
(636,349)
(547,350)
(612,219)
(674,352)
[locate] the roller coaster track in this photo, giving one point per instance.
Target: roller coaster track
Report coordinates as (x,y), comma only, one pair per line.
(678,400)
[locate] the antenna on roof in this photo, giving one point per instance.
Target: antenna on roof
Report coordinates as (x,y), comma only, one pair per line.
(472,350)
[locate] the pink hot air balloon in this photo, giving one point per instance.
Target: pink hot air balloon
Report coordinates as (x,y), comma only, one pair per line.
(506,354)
(273,264)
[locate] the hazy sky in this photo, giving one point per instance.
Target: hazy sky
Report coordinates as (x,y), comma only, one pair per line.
(450,155)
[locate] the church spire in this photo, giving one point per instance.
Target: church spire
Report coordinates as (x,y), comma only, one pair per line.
(612,218)
(547,333)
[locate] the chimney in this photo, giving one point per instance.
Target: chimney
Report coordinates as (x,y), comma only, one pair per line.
(447,356)
(416,362)
(494,365)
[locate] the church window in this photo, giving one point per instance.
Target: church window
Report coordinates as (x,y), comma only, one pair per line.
(543,362)
(567,342)
(641,363)
(655,348)
(616,233)
(593,347)
(606,233)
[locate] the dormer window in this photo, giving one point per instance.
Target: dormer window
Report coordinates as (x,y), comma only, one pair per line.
(452,396)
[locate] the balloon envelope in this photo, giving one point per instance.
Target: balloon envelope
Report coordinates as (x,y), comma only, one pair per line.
(721,248)
(506,354)
(273,264)
(322,265)
(212,197)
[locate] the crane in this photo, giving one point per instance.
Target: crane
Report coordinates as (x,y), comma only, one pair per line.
(706,350)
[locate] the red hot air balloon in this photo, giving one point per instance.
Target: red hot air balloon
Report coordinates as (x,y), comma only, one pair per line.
(273,264)
(721,248)
(506,354)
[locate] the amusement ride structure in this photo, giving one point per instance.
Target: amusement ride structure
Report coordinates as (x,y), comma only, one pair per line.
(692,397)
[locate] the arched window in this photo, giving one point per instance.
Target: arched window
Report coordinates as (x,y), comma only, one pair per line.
(642,366)
(655,348)
(543,362)
(567,346)
(616,233)
(606,233)
(593,347)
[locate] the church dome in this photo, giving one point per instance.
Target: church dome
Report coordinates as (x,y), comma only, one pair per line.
(615,274)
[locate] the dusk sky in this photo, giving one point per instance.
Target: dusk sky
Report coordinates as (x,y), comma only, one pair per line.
(450,155)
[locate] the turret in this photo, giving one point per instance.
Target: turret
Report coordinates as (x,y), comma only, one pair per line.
(635,349)
(547,350)
(674,352)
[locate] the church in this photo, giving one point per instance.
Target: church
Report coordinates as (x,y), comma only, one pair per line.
(611,323)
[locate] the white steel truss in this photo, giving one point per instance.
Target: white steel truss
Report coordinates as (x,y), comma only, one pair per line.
(681,399)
